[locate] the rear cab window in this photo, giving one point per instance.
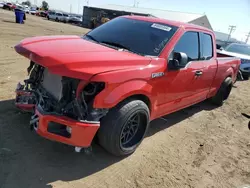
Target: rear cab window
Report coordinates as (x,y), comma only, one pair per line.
(207,46)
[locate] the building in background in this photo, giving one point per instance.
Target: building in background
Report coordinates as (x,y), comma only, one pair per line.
(113,11)
(223,39)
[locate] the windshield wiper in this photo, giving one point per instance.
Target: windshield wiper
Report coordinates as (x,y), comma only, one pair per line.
(119,46)
(91,38)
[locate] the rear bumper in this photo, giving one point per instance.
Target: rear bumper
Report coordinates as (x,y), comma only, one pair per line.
(82,133)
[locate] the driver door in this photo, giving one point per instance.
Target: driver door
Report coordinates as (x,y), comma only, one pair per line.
(181,86)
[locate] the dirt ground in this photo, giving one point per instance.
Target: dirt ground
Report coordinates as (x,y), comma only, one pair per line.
(201,146)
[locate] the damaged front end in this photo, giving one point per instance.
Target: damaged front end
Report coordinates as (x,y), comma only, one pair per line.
(62,106)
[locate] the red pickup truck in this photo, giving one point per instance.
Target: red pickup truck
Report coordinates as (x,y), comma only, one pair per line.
(114,80)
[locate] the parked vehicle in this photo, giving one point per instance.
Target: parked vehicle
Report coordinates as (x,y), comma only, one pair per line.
(33,11)
(56,16)
(44,14)
(1,4)
(26,9)
(114,80)
(9,6)
(65,18)
(241,51)
(75,19)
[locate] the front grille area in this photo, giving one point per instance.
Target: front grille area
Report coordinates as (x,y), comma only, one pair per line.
(52,83)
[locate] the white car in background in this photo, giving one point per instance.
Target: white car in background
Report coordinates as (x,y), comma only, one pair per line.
(26,8)
(58,16)
(33,11)
(241,51)
(1,4)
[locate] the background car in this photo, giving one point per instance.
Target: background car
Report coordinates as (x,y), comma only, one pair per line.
(241,51)
(75,19)
(65,18)
(33,11)
(26,9)
(1,4)
(9,6)
(56,16)
(44,14)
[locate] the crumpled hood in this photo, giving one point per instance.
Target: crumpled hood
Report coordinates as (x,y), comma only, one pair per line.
(75,57)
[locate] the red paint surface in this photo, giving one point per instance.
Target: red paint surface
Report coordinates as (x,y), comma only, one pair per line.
(126,74)
(82,133)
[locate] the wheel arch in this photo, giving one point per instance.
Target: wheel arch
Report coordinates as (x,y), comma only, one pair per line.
(136,89)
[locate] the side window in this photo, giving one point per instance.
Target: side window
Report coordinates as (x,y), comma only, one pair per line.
(207,46)
(189,44)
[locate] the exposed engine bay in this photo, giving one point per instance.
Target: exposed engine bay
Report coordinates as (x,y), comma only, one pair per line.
(57,95)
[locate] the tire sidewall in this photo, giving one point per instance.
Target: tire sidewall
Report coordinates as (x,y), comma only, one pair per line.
(127,116)
(219,97)
(115,121)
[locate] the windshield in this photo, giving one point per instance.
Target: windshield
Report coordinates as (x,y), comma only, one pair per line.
(145,38)
(239,48)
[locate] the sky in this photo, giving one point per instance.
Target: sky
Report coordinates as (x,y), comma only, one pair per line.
(221,13)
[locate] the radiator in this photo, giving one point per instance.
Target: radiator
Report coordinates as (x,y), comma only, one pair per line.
(52,83)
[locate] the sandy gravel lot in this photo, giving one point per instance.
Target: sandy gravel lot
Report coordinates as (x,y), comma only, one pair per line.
(201,146)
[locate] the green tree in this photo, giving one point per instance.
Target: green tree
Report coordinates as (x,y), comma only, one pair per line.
(28,3)
(45,5)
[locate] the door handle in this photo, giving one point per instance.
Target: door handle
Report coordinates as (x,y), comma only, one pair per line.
(198,73)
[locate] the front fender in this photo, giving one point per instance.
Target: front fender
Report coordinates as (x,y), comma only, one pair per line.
(111,96)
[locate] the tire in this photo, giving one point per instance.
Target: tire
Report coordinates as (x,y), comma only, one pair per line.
(48,17)
(57,20)
(116,127)
(223,92)
(245,76)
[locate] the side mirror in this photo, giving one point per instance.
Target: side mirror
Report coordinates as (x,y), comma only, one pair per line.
(178,61)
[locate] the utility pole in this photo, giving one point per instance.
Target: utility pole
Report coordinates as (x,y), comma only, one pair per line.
(70,8)
(78,6)
(248,35)
(231,29)
(136,3)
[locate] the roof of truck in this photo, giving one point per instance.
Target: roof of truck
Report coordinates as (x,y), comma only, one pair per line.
(170,22)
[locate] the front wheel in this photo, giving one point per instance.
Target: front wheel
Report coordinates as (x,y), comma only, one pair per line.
(223,92)
(124,127)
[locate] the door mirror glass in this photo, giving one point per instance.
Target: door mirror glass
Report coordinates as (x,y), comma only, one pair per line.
(178,61)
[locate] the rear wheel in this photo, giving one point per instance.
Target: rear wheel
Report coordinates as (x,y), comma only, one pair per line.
(223,92)
(245,76)
(124,127)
